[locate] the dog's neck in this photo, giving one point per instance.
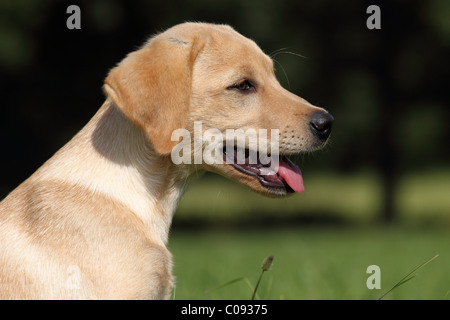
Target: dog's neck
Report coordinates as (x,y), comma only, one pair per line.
(118,161)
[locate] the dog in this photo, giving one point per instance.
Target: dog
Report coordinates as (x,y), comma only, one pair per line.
(93,221)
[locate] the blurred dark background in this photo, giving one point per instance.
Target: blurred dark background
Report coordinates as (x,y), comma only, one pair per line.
(387,89)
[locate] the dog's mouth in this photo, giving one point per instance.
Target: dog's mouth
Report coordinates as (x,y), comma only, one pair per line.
(285,176)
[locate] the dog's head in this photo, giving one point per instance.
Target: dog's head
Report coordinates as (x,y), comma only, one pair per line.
(207,96)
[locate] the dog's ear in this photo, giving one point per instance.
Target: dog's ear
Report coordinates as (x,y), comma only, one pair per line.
(152,86)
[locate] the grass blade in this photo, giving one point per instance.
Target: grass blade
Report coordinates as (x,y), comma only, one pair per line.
(409,276)
(224,284)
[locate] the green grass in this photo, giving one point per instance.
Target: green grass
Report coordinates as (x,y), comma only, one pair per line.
(311,263)
(325,260)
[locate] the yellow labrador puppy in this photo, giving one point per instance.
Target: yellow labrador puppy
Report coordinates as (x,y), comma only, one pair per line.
(93,221)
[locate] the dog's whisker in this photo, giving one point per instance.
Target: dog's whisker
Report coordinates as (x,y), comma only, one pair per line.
(284,72)
(274,53)
(288,52)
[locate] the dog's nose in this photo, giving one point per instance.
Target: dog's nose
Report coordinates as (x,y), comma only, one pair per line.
(320,124)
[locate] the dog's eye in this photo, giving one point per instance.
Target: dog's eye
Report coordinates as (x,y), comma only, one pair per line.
(243,85)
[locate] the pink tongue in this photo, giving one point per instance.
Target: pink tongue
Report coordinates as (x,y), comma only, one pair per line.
(291,174)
